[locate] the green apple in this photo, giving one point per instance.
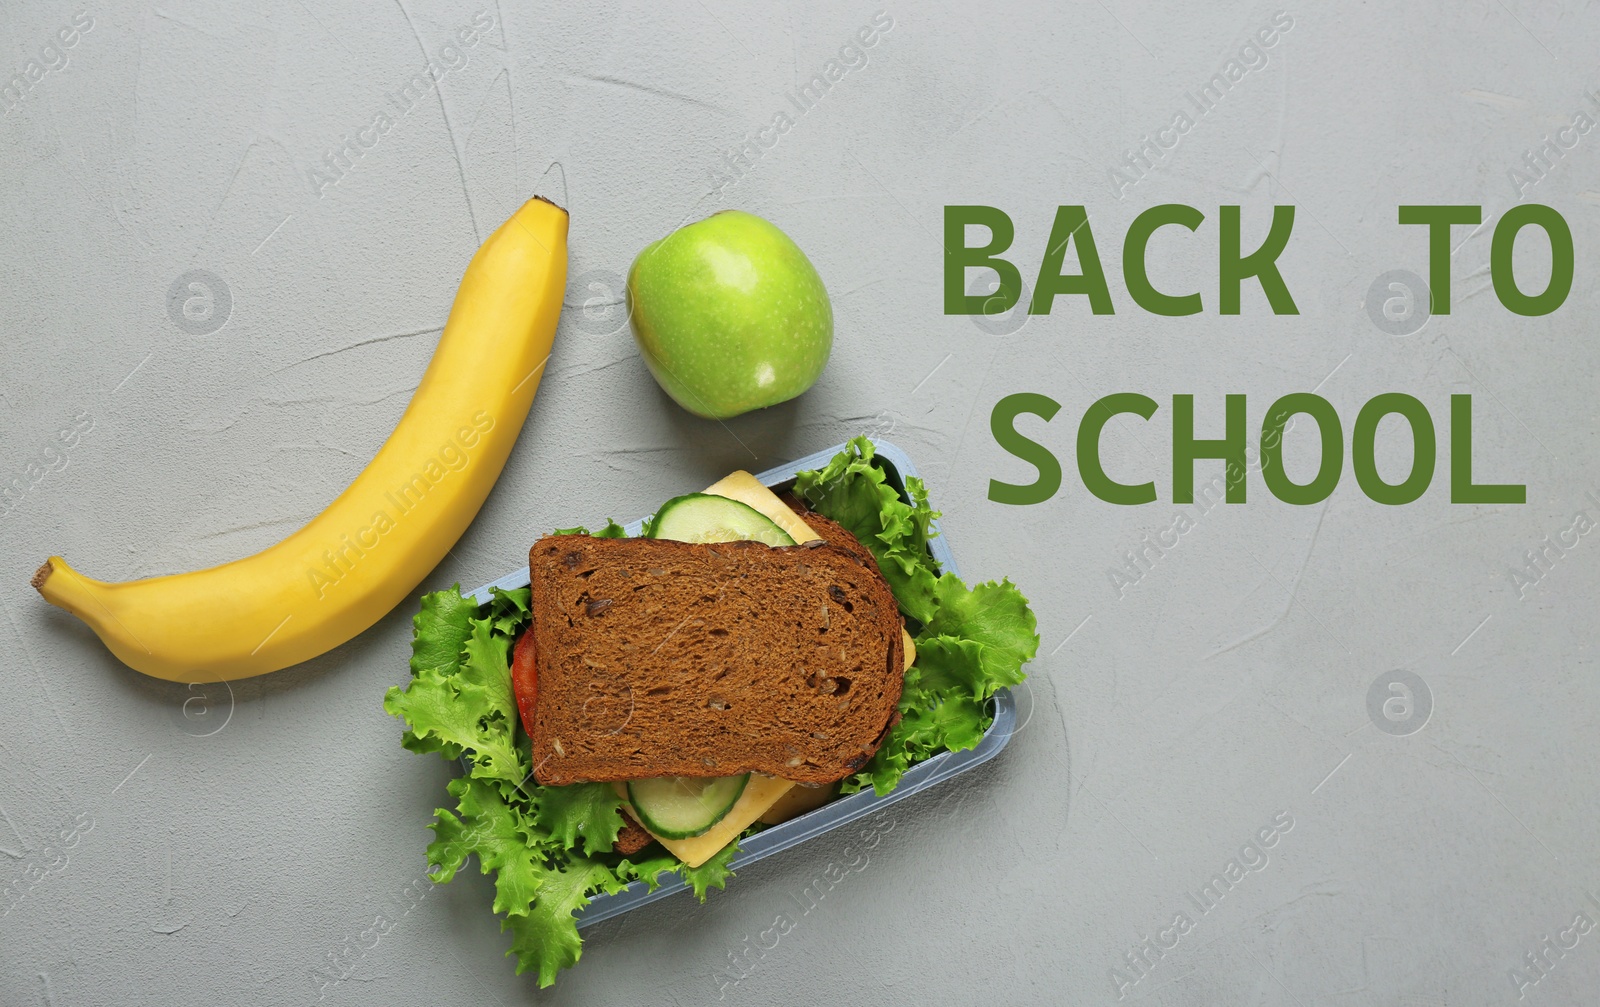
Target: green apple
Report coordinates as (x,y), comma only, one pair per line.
(730,315)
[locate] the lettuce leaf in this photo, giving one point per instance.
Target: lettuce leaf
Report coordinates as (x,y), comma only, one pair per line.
(611,530)
(994,616)
(856,493)
(592,811)
(510,610)
(460,702)
(650,869)
(492,830)
(714,873)
(441,630)
(933,718)
(469,708)
(546,938)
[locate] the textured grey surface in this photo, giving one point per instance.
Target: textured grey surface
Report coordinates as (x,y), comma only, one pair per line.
(1163,728)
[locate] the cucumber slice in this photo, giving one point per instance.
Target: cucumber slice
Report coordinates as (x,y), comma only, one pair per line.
(679,807)
(705,517)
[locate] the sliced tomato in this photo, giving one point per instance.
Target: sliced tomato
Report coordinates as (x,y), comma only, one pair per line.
(525,679)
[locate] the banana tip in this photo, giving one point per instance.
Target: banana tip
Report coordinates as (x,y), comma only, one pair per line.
(41,575)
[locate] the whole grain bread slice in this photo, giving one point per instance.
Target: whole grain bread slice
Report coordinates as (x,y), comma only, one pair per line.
(632,838)
(661,658)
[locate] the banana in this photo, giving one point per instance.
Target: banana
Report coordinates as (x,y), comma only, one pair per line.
(362,556)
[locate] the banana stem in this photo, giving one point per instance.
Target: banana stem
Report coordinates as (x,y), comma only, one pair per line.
(65,588)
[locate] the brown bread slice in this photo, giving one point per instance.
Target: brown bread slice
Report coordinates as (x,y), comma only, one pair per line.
(661,658)
(633,837)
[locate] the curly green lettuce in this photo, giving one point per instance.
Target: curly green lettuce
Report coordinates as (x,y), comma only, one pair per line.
(550,848)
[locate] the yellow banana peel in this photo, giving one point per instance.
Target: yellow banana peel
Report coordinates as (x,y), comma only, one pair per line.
(362,556)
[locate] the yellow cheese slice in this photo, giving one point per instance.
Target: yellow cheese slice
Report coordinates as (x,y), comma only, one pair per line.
(798,801)
(748,490)
(762,792)
(759,795)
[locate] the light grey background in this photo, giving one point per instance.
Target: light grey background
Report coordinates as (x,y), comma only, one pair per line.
(1162,728)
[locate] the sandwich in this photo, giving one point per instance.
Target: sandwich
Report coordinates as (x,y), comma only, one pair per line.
(646,702)
(710,666)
